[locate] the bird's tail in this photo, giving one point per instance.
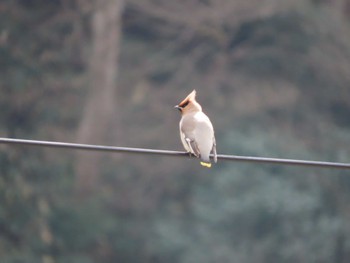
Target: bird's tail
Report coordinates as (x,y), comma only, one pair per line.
(205,164)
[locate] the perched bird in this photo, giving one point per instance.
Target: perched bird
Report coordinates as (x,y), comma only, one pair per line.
(196,130)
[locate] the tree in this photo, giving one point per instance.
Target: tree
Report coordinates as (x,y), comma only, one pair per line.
(100,107)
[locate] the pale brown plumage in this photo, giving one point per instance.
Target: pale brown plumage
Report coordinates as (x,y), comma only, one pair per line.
(196,130)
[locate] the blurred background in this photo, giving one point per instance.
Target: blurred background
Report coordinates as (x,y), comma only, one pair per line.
(273,76)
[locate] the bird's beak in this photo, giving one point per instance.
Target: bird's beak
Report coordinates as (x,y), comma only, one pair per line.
(177,107)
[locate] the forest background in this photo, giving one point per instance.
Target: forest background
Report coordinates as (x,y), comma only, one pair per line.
(274,77)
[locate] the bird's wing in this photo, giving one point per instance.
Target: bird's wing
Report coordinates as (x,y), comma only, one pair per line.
(192,145)
(187,127)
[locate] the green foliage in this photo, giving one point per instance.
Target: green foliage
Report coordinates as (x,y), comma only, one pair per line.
(249,214)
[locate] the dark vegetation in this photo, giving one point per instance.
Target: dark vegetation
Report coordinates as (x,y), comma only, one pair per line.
(272,75)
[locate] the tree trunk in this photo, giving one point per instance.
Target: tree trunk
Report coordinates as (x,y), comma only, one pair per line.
(100,107)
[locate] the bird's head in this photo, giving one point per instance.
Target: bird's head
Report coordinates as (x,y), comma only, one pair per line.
(189,104)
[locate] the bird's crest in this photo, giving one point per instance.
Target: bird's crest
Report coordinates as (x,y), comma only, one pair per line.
(189,98)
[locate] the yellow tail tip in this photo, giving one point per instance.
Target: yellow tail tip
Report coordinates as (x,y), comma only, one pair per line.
(208,165)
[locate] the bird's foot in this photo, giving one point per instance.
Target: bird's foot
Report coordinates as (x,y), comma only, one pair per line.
(191,154)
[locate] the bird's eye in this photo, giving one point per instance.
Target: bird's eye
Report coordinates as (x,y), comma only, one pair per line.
(185,104)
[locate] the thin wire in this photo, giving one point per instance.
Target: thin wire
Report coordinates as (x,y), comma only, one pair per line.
(236,158)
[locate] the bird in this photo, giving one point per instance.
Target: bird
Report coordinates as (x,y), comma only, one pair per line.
(196,130)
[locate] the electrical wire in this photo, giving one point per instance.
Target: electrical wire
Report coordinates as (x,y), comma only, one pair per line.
(236,158)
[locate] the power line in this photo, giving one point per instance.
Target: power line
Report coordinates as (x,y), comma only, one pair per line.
(236,158)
